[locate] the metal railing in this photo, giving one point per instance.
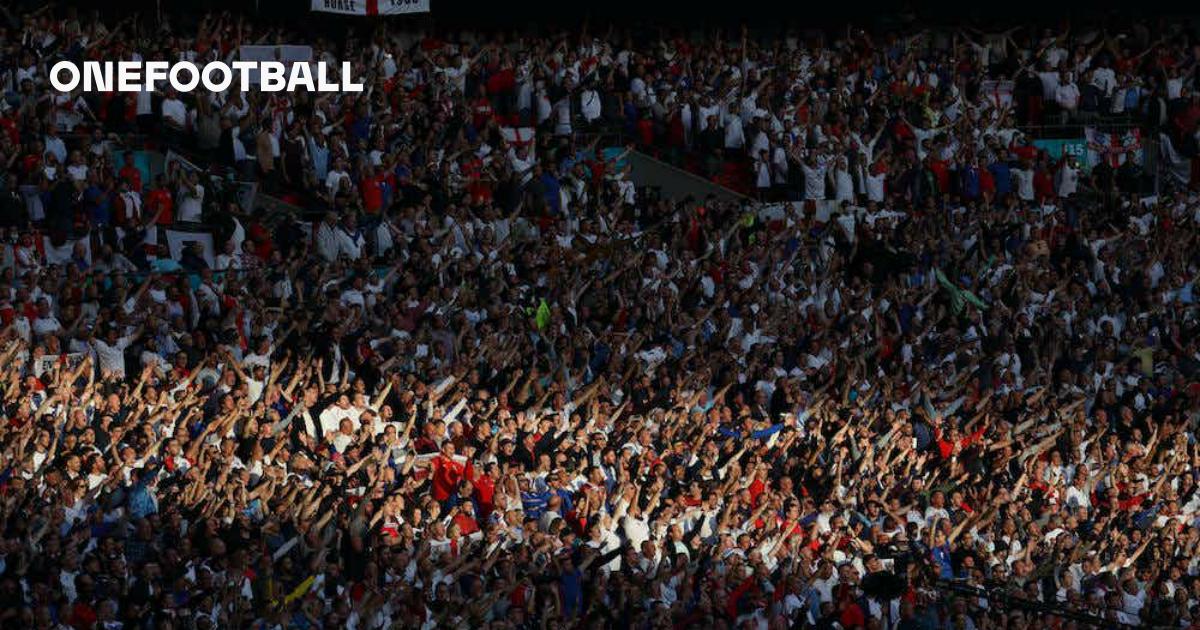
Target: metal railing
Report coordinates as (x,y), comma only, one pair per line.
(1004,600)
(1076,128)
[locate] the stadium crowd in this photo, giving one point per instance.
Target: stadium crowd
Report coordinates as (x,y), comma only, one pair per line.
(495,384)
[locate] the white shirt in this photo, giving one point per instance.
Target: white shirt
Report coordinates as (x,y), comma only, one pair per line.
(1067,96)
(1078,497)
(824,586)
(1054,55)
(175,112)
(875,186)
(457,76)
(589,105)
(543,107)
(112,358)
(350,244)
(1105,79)
(562,110)
(845,185)
(814,182)
(341,441)
(145,103)
(636,531)
(921,135)
(734,136)
(333,416)
(254,389)
(56,147)
(1049,83)
(779,164)
(761,143)
(327,241)
(935,513)
(46,325)
(762,172)
(254,358)
(191,204)
(333,180)
(1023,181)
(1068,181)
(522,166)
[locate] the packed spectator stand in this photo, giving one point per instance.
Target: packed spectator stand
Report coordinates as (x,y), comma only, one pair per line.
(453,367)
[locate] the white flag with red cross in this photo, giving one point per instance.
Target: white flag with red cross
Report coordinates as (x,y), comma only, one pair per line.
(371,7)
(1114,148)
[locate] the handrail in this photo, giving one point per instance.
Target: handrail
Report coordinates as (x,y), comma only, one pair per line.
(1005,600)
(1074,129)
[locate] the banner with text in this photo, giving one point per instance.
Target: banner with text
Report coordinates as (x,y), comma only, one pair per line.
(179,239)
(1056,149)
(371,7)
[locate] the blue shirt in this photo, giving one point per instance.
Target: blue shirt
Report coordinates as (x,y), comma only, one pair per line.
(1131,98)
(141,501)
(553,196)
(941,555)
(534,503)
(1185,294)
(970,182)
(361,128)
(1003,176)
(755,435)
(97,204)
(571,583)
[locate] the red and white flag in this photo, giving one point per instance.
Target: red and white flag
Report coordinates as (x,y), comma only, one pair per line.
(999,93)
(371,7)
(1114,148)
(519,136)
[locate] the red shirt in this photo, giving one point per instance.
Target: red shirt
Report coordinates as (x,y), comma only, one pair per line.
(675,131)
(731,606)
(987,183)
(132,175)
(502,81)
(30,162)
(852,616)
(159,202)
(1025,151)
(82,616)
(887,346)
(485,489)
(262,240)
(756,489)
(466,524)
(447,474)
(372,192)
(645,130)
(481,112)
(693,235)
(1131,503)
(10,127)
(942,172)
(946,447)
(1043,184)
